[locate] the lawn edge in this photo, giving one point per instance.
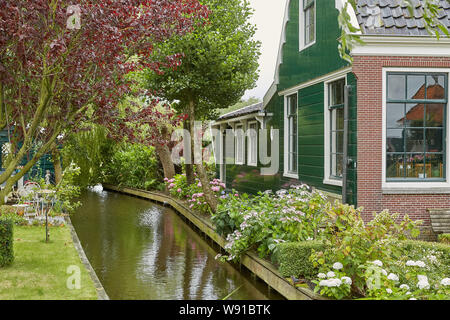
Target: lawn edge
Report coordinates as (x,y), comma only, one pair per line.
(101,293)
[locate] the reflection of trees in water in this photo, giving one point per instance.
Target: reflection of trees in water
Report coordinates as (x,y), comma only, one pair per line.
(143,251)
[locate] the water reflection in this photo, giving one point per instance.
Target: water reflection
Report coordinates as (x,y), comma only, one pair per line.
(143,251)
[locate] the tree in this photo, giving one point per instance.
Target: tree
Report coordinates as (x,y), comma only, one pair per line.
(219,64)
(60,63)
(150,123)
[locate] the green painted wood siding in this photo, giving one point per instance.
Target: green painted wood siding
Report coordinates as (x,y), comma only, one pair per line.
(320,58)
(299,67)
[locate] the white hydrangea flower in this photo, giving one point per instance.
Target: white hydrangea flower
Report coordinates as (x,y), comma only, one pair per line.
(410,263)
(408,293)
(378,263)
(337,266)
(323,283)
(445,282)
(331,274)
(404,286)
(333,282)
(412,299)
(393,277)
(423,282)
(420,264)
(388,290)
(322,275)
(384,272)
(346,280)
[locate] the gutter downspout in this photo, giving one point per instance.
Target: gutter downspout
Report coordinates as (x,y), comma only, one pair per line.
(345,142)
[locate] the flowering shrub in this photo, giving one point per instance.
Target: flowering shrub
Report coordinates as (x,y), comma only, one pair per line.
(267,219)
(372,256)
(193,194)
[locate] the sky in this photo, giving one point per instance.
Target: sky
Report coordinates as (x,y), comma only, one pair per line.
(268,18)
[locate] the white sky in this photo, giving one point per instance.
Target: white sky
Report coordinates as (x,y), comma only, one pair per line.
(268,17)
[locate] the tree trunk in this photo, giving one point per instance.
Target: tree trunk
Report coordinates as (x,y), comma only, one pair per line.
(166,160)
(206,187)
(188,166)
(56,159)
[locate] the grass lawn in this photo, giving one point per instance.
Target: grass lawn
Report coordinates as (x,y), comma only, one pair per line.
(39,268)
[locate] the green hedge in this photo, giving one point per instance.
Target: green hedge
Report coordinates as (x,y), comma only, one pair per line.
(293,258)
(6,243)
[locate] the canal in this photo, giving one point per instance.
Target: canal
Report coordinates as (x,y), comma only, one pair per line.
(141,250)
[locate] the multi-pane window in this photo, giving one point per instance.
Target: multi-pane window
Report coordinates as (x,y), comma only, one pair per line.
(253,143)
(336,114)
(310,17)
(291,115)
(240,141)
(416,107)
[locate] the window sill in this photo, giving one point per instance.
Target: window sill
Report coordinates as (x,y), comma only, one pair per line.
(416,188)
(333,182)
(307,46)
(290,175)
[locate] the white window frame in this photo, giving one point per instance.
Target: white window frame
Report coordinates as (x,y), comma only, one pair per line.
(286,172)
(239,153)
(252,161)
(302,29)
(327,136)
(416,186)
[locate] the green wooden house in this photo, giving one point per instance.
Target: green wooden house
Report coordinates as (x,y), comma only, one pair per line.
(371,133)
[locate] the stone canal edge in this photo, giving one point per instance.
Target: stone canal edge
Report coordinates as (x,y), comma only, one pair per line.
(101,293)
(263,269)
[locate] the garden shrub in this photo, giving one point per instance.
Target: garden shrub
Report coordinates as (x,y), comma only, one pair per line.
(444,238)
(8,213)
(193,193)
(135,166)
(414,249)
(6,242)
(293,258)
(351,246)
(288,216)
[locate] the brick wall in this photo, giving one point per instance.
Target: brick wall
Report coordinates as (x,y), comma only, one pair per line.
(368,70)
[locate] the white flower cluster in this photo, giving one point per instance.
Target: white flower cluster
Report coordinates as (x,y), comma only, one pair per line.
(418,263)
(337,266)
(423,282)
(445,282)
(378,263)
(333,282)
(393,277)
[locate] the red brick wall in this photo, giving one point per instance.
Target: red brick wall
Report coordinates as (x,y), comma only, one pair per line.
(368,70)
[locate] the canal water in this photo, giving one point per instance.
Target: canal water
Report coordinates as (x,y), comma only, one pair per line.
(141,250)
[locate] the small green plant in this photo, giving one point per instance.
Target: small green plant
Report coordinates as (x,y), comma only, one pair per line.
(293,258)
(444,238)
(6,242)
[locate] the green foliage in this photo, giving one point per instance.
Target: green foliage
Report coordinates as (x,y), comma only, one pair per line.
(6,242)
(290,215)
(67,191)
(12,216)
(90,150)
(220,60)
(134,166)
(444,238)
(293,258)
(193,193)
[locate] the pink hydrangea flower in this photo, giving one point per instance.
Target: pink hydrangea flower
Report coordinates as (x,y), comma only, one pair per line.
(179,190)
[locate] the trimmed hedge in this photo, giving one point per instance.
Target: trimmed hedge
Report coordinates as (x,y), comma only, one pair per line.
(6,243)
(415,249)
(293,258)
